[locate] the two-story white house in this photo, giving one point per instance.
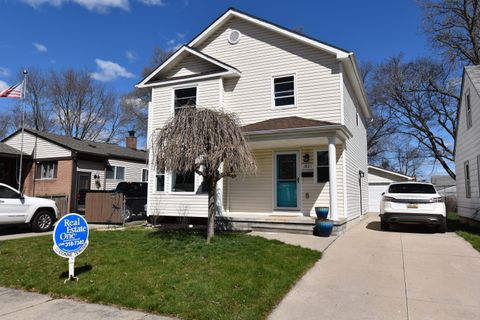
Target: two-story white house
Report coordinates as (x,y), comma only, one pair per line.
(467,148)
(303,109)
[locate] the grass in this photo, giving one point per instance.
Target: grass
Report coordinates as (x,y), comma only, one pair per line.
(171,273)
(469,233)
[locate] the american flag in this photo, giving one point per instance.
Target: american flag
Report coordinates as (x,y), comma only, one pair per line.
(13,92)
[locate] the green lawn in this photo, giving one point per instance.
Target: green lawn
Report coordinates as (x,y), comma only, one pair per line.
(470,234)
(171,273)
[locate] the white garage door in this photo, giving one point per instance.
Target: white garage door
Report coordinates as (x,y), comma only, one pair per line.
(375,195)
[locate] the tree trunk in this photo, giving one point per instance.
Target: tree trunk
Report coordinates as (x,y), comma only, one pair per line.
(211,208)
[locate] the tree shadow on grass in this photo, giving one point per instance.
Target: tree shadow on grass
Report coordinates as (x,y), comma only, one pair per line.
(78,271)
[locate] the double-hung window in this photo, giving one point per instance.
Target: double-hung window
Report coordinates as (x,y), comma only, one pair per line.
(321,167)
(115,173)
(284,91)
(468,106)
(468,190)
(160,175)
(185,98)
(46,170)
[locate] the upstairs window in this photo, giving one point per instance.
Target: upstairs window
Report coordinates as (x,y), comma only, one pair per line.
(115,173)
(185,98)
(469,110)
(46,170)
(284,91)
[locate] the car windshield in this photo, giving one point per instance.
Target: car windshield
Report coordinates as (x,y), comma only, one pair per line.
(411,188)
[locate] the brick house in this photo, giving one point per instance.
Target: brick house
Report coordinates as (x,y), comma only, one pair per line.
(62,166)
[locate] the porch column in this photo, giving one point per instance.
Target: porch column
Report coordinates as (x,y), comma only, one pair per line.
(332,171)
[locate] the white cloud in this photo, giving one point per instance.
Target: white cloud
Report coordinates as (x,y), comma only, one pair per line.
(40,47)
(109,71)
(3,85)
(4,72)
(92,5)
(152,2)
(131,56)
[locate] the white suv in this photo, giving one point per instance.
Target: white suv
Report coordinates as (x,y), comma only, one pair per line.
(15,208)
(412,202)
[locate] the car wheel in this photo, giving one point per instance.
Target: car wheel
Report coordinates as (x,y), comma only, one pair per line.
(43,221)
(442,228)
(127,214)
(385,226)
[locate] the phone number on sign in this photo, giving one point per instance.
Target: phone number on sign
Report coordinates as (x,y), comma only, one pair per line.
(73,243)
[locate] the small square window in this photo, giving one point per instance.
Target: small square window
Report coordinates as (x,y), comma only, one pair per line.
(284,91)
(115,173)
(46,170)
(183,182)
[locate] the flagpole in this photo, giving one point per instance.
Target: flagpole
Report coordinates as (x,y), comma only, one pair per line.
(24,92)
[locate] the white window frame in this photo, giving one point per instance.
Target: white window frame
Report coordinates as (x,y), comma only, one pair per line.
(146,176)
(187,86)
(468,179)
(294,105)
(115,178)
(468,109)
(315,156)
(40,165)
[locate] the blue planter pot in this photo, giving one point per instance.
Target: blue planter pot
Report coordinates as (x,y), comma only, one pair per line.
(323,228)
(322,212)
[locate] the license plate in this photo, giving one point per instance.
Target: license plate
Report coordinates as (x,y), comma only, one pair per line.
(412,206)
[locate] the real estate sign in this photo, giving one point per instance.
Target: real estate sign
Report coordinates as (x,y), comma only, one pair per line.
(70,238)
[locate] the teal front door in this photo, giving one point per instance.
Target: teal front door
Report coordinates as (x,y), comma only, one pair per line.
(286,181)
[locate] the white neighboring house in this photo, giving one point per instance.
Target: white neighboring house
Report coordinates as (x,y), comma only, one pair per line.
(303,109)
(378,181)
(467,149)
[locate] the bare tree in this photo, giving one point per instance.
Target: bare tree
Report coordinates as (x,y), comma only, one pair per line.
(135,104)
(6,121)
(423,100)
(381,127)
(39,113)
(84,109)
(454,27)
(205,141)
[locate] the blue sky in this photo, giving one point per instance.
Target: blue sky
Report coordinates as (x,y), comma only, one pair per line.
(114,38)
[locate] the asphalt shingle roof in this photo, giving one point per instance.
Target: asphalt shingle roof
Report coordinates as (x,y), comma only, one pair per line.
(6,149)
(107,150)
(285,123)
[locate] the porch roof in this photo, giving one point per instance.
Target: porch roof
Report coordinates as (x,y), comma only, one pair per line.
(293,131)
(6,150)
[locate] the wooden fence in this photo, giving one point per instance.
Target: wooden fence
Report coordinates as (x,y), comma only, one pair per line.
(104,207)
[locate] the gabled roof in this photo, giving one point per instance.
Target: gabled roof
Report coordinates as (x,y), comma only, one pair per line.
(285,123)
(178,55)
(390,172)
(5,149)
(100,149)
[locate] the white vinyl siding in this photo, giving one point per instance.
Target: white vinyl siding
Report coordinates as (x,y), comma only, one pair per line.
(262,54)
(356,155)
(133,172)
(191,65)
(468,149)
(37,147)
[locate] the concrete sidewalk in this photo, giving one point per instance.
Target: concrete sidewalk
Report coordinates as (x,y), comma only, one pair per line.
(370,274)
(17,304)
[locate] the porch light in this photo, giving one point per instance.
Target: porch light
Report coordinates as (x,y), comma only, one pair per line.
(306,158)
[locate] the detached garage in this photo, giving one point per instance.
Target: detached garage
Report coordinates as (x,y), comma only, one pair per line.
(378,181)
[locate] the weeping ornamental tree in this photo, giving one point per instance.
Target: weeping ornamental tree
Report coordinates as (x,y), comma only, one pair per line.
(208,142)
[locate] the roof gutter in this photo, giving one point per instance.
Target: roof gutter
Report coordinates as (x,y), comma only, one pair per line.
(333,129)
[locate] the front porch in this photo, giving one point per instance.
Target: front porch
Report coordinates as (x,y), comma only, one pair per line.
(301,165)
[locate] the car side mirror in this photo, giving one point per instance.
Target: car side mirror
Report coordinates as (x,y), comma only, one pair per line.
(383,193)
(21,196)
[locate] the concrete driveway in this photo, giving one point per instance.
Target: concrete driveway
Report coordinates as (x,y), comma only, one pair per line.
(404,274)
